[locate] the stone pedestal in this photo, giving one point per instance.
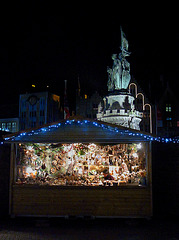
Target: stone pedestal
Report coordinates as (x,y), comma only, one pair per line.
(118,108)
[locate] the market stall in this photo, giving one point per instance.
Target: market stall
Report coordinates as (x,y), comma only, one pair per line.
(75,167)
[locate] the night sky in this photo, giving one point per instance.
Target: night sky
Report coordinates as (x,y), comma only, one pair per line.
(47,46)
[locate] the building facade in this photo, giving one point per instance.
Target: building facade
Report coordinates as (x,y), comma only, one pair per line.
(168,114)
(37,109)
(9,124)
(87,106)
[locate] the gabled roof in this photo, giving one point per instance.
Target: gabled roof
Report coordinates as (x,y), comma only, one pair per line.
(79,131)
(168,95)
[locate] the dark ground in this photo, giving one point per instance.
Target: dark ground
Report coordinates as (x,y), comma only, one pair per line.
(66,229)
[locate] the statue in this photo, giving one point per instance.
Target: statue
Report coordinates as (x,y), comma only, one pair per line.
(118,107)
(119,74)
(125,74)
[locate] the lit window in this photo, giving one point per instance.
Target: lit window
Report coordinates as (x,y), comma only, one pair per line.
(14,125)
(9,126)
(177,123)
(169,119)
(3,126)
(86,96)
(168,108)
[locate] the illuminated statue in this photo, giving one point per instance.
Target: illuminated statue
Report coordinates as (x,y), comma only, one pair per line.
(118,107)
(119,74)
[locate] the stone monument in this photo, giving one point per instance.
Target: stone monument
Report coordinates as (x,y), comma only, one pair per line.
(119,106)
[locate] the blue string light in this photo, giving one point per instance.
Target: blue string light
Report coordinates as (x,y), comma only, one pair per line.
(104,127)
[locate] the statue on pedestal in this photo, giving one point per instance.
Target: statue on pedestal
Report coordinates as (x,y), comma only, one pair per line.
(119,74)
(118,107)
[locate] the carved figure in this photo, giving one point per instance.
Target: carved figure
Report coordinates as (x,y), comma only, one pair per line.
(119,74)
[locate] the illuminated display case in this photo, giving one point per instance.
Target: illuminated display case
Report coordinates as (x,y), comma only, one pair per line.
(80,167)
(80,164)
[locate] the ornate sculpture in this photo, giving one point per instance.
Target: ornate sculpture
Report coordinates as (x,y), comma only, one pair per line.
(119,74)
(118,107)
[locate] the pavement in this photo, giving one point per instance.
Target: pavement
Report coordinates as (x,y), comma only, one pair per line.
(87,229)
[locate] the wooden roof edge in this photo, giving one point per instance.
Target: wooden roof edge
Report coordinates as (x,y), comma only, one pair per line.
(77,118)
(127,129)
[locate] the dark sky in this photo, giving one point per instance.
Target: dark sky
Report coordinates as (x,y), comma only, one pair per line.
(46,46)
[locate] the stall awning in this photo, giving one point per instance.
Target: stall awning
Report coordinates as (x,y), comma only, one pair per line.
(79,131)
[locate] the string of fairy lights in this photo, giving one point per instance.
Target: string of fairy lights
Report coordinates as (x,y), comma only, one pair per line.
(126,132)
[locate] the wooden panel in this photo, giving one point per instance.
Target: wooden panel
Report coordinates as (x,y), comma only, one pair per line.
(95,201)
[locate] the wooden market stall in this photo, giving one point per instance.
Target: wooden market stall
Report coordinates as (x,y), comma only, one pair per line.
(81,168)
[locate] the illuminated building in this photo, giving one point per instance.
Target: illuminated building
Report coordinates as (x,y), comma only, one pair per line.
(9,120)
(37,109)
(9,124)
(168,114)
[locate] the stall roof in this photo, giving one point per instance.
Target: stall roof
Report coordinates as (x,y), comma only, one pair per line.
(68,131)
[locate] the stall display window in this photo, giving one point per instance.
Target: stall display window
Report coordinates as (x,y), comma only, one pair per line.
(79,164)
